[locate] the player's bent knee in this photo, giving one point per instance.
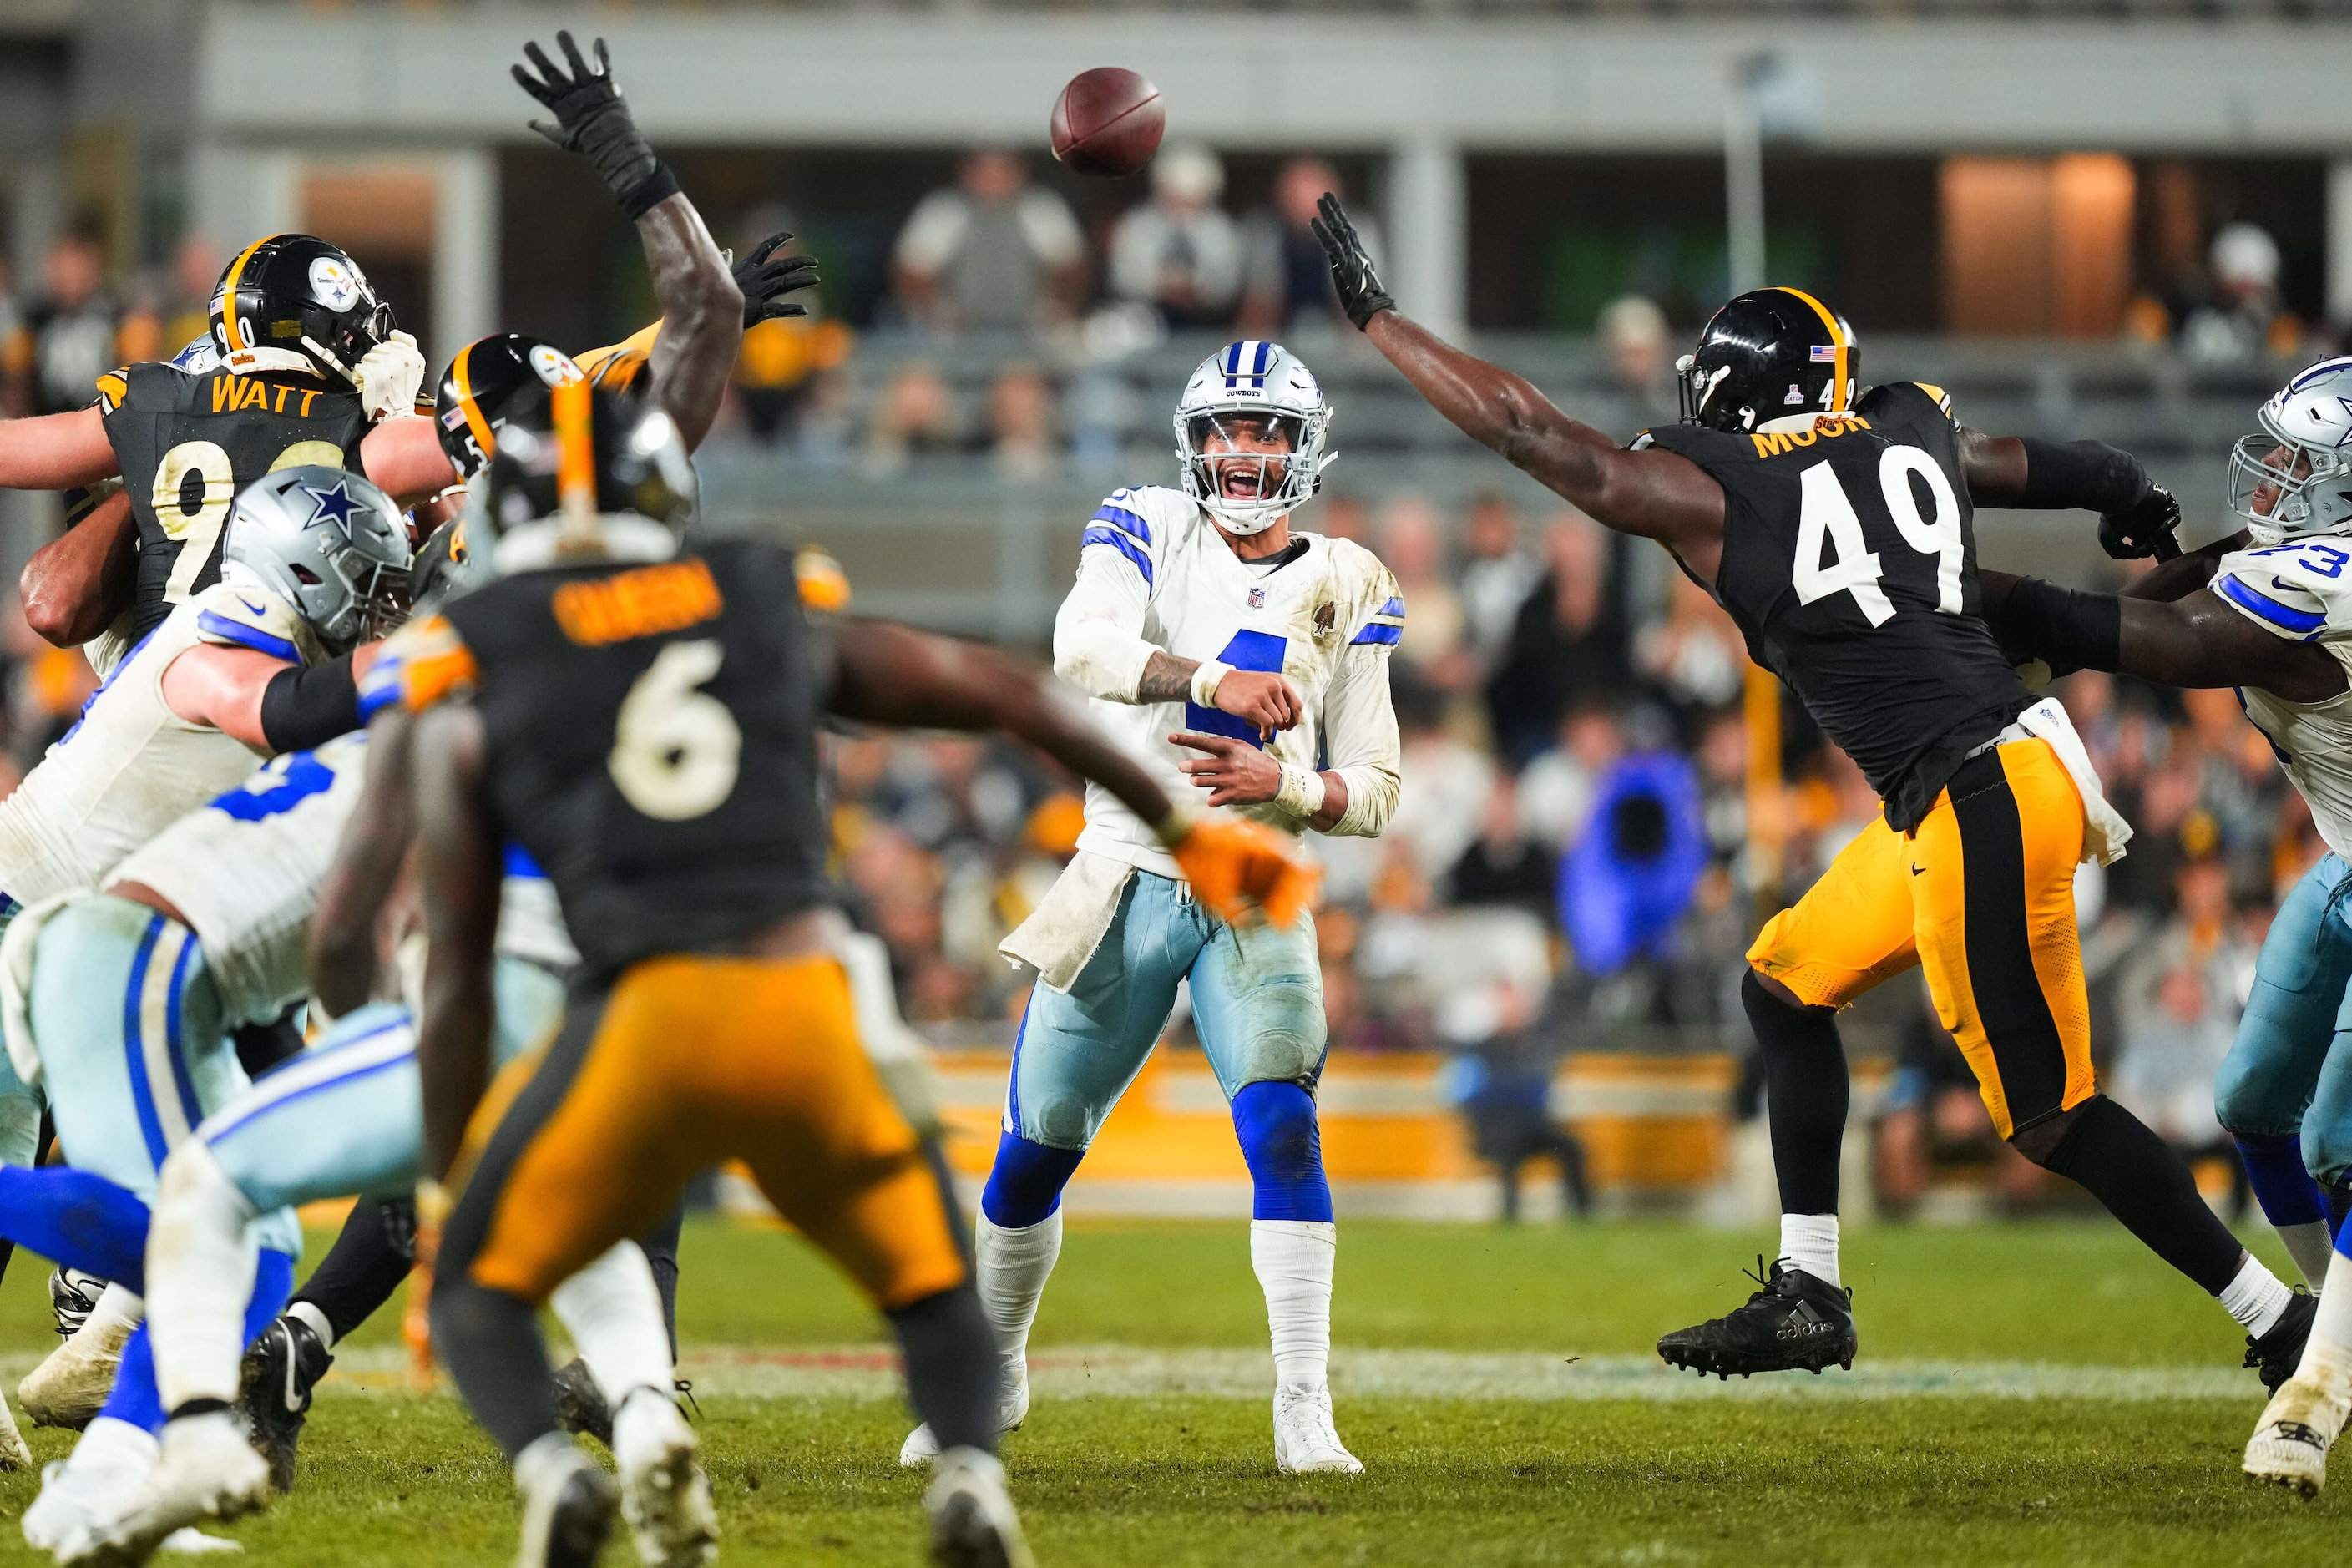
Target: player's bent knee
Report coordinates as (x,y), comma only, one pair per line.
(1283,1145)
(2327,1151)
(2251,1098)
(1024,1186)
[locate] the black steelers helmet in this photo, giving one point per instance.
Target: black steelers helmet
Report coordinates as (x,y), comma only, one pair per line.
(580,452)
(1768,354)
(624,370)
(479,388)
(294,302)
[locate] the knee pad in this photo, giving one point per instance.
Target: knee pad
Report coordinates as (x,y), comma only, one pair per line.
(1025,1184)
(2247,1103)
(1284,1148)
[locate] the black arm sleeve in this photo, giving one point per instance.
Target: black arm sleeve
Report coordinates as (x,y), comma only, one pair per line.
(309,705)
(2068,628)
(2088,475)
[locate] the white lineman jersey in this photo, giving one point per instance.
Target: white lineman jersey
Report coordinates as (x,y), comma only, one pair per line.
(1205,602)
(130,767)
(2303,592)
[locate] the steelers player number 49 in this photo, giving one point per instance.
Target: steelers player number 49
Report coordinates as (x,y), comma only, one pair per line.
(675,749)
(1824,514)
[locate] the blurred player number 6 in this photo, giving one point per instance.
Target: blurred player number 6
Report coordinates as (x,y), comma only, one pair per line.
(1107,121)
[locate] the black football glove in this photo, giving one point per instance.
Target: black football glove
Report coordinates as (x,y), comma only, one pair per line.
(767,278)
(1359,286)
(591,118)
(2143,529)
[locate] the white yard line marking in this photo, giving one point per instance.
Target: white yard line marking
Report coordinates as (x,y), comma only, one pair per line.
(868,1371)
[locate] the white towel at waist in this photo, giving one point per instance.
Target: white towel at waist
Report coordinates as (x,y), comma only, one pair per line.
(2104,831)
(1062,932)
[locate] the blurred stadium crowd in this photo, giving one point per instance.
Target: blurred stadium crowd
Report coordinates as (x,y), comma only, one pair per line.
(1575,864)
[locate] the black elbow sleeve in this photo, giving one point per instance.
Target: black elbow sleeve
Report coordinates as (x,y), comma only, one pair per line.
(309,705)
(2065,626)
(2087,475)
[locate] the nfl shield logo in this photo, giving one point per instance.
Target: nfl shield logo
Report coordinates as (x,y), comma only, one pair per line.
(1258,598)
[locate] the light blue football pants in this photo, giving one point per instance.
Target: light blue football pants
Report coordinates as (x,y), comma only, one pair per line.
(134,1054)
(2289,1073)
(1257,1004)
(346,1117)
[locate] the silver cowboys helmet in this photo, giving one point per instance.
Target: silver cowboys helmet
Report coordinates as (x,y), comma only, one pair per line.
(2293,477)
(1253,381)
(327,542)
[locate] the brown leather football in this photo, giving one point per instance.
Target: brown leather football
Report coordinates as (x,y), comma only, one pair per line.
(1107,121)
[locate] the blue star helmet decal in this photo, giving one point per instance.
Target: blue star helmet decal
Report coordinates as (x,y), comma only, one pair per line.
(330,505)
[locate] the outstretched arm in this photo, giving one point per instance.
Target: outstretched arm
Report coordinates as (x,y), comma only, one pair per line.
(77,583)
(2196,640)
(55,451)
(457,855)
(1654,494)
(2137,517)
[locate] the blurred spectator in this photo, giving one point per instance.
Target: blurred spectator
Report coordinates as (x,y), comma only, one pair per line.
(785,362)
(1021,421)
(1503,1085)
(1446,782)
(1413,543)
(1934,1117)
(1625,884)
(66,339)
(1694,655)
(1179,252)
(1556,789)
(1496,577)
(1286,280)
(1634,335)
(1342,517)
(990,253)
(1566,644)
(917,414)
(2165,1072)
(1504,865)
(196,265)
(2241,321)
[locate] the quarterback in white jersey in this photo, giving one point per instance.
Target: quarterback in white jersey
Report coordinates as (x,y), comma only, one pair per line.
(1249,661)
(2268,611)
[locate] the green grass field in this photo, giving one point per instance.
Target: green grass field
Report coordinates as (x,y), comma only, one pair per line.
(1977,1428)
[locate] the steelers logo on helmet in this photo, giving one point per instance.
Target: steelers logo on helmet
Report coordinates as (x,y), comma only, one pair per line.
(293,302)
(480,387)
(1769,354)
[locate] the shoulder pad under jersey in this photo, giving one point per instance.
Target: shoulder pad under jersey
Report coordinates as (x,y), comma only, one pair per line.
(417,665)
(824,586)
(2301,591)
(1373,602)
(236,615)
(112,388)
(1905,399)
(1136,522)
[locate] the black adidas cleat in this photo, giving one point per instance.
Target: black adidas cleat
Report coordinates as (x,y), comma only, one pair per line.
(1797,1323)
(280,1370)
(2276,1355)
(580,1405)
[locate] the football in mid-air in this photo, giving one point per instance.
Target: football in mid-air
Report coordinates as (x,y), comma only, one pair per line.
(1107,121)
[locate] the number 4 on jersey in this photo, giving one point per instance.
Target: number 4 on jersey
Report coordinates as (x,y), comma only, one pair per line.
(1824,515)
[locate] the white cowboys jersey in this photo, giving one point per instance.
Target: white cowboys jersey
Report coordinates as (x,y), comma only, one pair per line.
(1203,602)
(2303,592)
(131,766)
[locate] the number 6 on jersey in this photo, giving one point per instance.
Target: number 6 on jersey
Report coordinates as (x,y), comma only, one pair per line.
(675,751)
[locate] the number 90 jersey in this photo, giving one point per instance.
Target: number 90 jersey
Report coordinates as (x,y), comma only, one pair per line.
(650,739)
(188,442)
(1850,566)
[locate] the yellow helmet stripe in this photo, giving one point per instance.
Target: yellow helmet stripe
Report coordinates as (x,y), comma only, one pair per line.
(228,289)
(1837,337)
(575,448)
(460,372)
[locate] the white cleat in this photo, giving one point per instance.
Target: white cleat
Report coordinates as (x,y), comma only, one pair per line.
(196,1544)
(973,1524)
(82,1494)
(70,1387)
(665,1496)
(922,1446)
(1305,1440)
(209,1470)
(2290,1444)
(14,1454)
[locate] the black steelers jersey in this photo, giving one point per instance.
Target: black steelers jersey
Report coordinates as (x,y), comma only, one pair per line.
(651,740)
(188,442)
(1850,566)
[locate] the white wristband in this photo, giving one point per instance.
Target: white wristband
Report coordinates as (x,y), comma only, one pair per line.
(1205,681)
(1301,793)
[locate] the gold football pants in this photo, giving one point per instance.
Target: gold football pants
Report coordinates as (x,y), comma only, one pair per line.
(686,1061)
(1982,895)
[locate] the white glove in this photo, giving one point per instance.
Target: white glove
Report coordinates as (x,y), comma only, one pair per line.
(388,376)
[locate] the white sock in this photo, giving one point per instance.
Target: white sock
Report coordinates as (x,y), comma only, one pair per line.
(309,1313)
(200,1259)
(1014,1263)
(1810,1242)
(117,1311)
(1295,1259)
(2309,1244)
(612,1311)
(2255,1297)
